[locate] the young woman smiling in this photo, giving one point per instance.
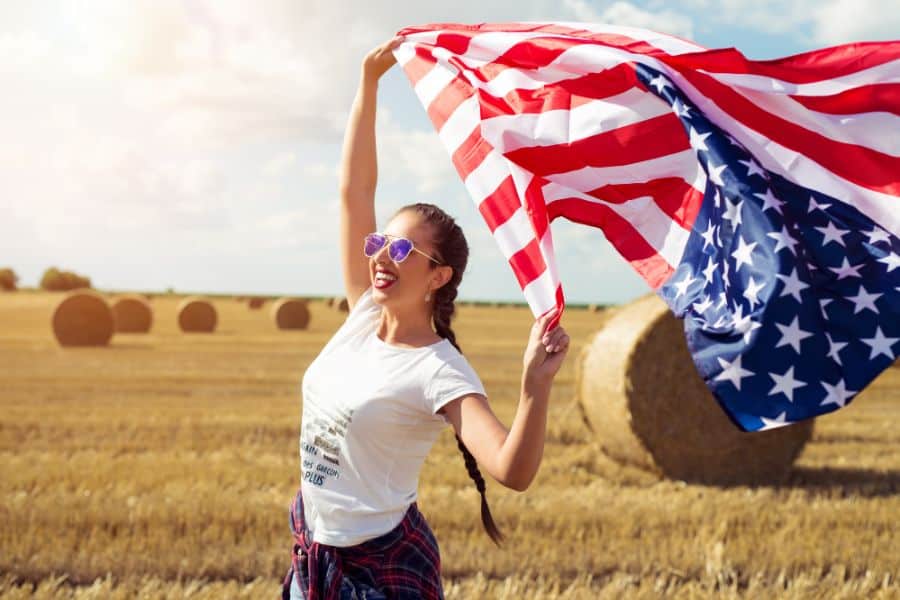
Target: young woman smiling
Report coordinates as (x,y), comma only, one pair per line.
(384,387)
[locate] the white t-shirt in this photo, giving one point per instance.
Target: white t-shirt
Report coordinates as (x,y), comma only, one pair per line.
(369,420)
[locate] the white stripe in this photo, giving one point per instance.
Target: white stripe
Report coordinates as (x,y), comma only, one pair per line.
(888,72)
(540,293)
(657,228)
(510,132)
(682,164)
(487,176)
(460,124)
(877,130)
(404,53)
(515,233)
(433,82)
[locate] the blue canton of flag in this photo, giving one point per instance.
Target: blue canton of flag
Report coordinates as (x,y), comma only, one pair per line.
(790,298)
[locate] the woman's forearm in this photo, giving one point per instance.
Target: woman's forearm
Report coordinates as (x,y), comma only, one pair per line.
(523,448)
(359,165)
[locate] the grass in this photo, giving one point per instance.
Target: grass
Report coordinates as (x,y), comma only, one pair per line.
(163,465)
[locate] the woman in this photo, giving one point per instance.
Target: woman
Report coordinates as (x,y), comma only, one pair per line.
(383,388)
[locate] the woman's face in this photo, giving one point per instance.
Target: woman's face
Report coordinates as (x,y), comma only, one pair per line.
(406,283)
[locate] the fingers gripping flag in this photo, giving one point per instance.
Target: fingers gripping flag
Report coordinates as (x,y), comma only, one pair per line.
(759,199)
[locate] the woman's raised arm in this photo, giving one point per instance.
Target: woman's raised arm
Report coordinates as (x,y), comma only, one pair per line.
(359,171)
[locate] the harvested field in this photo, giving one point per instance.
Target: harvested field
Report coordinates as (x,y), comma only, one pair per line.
(162,466)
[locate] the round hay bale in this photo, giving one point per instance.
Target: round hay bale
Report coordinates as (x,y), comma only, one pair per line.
(82,318)
(329,302)
(256,302)
(647,405)
(342,305)
(290,313)
(132,314)
(196,315)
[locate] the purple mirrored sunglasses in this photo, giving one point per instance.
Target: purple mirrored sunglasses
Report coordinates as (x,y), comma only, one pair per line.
(398,249)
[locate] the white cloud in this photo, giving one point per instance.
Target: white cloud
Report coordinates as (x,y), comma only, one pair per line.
(839,21)
(626,13)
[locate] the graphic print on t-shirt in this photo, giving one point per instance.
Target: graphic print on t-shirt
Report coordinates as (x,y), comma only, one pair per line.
(321,438)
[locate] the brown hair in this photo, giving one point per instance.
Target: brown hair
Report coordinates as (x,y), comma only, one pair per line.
(452,250)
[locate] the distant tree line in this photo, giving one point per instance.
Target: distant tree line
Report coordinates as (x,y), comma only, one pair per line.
(8,279)
(56,280)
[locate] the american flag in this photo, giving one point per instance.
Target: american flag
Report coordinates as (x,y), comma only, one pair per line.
(759,199)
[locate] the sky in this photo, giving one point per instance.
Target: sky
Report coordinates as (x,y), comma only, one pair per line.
(194,144)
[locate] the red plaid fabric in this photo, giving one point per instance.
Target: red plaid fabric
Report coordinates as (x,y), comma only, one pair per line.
(402,563)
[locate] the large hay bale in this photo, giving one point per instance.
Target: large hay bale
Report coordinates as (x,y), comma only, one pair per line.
(256,302)
(342,305)
(290,313)
(648,406)
(132,314)
(82,318)
(196,315)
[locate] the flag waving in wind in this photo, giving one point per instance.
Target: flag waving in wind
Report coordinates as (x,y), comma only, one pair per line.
(759,199)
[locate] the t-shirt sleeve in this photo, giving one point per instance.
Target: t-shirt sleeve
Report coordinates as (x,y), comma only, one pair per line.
(453,379)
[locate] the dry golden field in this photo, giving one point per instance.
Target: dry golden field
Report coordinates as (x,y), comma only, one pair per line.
(163,465)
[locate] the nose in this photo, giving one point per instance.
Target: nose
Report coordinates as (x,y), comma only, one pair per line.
(382,256)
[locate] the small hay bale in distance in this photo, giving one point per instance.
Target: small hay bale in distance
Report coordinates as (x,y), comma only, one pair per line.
(329,302)
(132,314)
(83,318)
(196,315)
(342,305)
(290,313)
(256,302)
(647,405)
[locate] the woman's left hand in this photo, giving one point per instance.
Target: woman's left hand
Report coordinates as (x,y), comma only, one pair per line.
(545,351)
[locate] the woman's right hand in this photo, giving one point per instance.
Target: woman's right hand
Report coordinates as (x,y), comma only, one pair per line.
(381,58)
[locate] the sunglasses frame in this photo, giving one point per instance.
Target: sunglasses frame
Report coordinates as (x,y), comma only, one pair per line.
(388,242)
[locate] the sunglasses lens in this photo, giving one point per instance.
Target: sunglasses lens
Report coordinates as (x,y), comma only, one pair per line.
(374,243)
(400,249)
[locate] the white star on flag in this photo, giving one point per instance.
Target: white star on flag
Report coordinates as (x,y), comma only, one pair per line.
(880,344)
(785,384)
(732,371)
(791,335)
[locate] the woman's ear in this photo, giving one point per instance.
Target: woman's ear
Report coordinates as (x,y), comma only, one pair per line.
(442,276)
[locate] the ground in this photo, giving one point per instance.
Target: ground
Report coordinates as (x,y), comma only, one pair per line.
(163,465)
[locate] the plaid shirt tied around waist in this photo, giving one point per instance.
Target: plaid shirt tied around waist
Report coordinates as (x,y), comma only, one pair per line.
(402,563)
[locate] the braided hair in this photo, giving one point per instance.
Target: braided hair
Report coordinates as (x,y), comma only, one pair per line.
(452,249)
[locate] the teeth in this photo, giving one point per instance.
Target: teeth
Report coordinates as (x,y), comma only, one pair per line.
(385,276)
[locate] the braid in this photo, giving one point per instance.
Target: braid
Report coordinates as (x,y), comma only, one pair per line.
(443,312)
(454,251)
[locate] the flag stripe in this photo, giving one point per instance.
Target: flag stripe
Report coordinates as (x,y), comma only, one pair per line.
(808,67)
(633,248)
(863,166)
(876,131)
(637,142)
(882,97)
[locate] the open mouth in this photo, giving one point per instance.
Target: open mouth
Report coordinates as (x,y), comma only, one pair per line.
(384,280)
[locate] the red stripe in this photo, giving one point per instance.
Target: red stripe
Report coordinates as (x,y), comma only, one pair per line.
(881,97)
(528,263)
(637,142)
(536,206)
(448,100)
(863,166)
(500,205)
(418,66)
(565,95)
(626,240)
(471,153)
(808,67)
(673,195)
